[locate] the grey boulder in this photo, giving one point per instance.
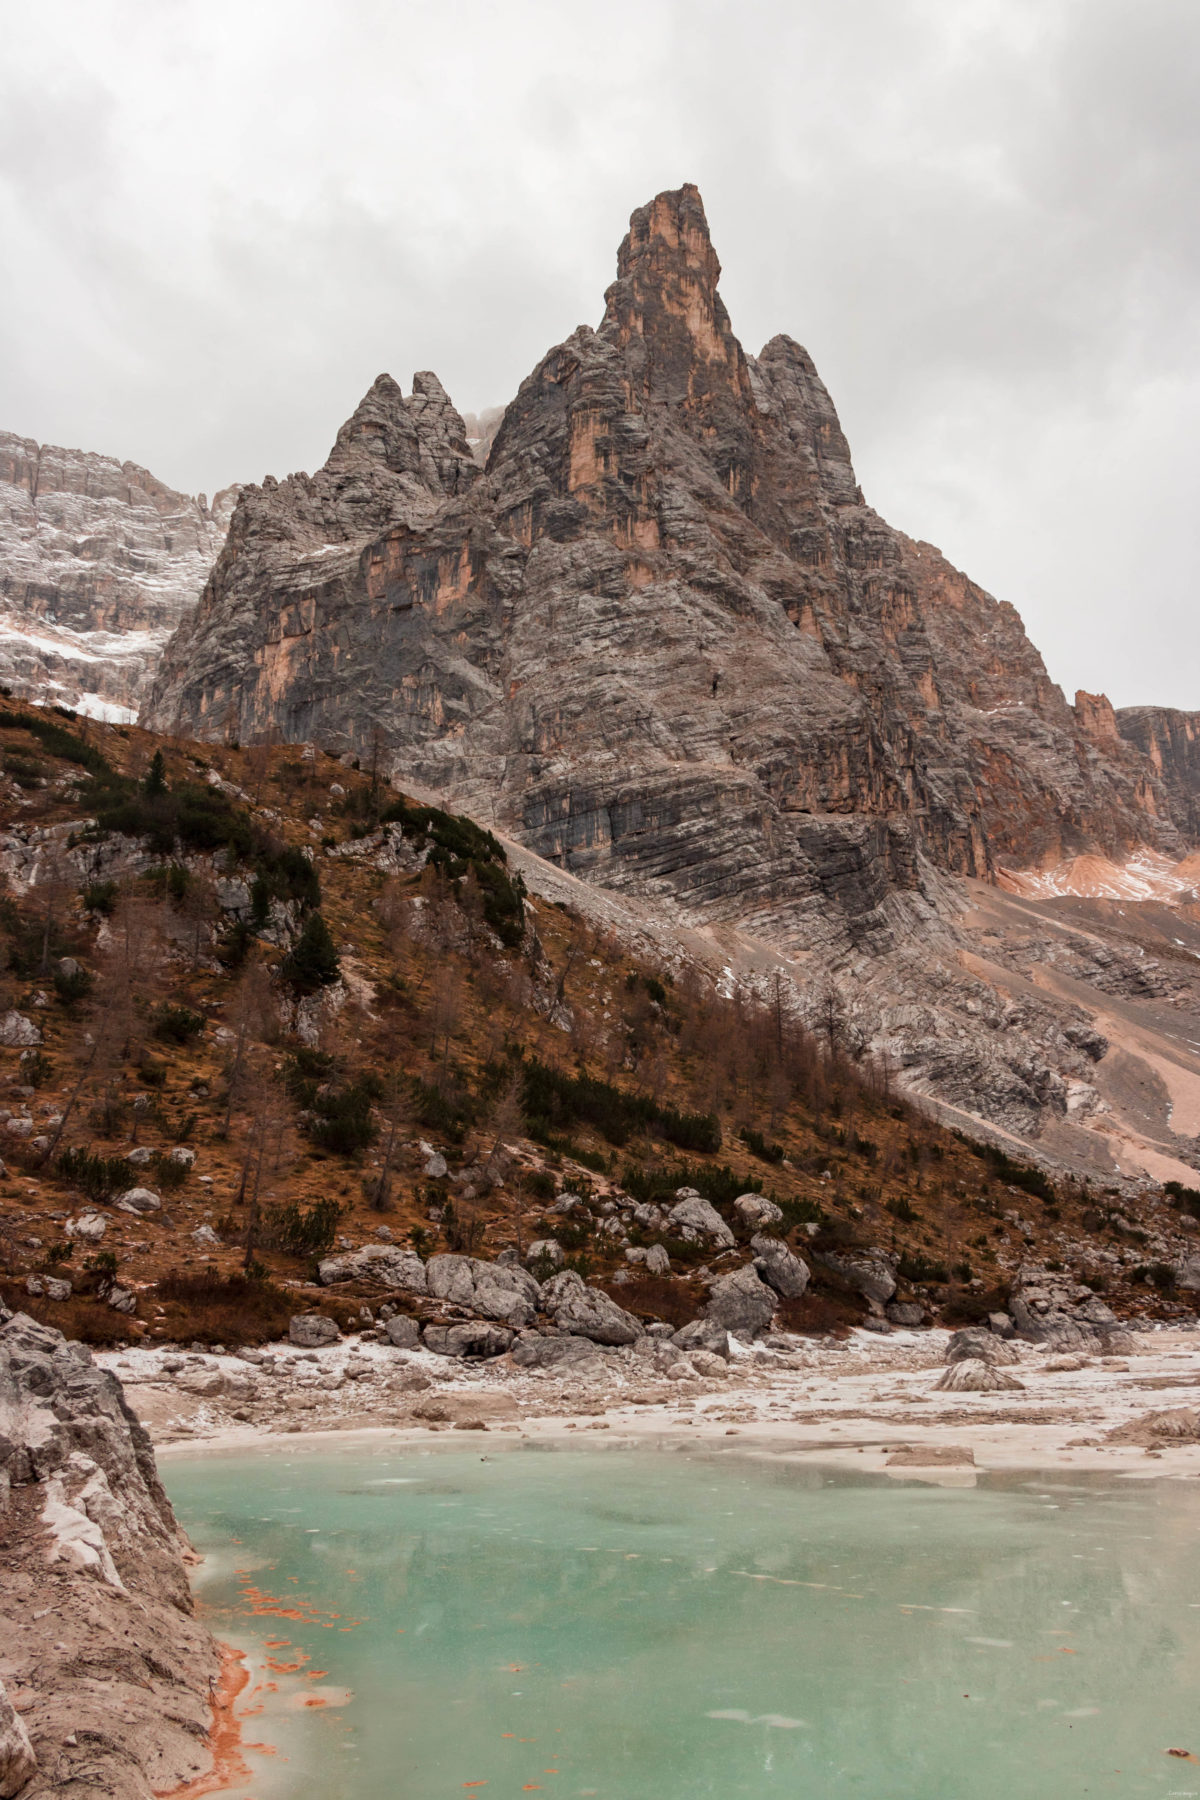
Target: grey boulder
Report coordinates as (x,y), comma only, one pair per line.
(312,1331)
(741,1303)
(872,1273)
(904,1313)
(384,1263)
(474,1337)
(139,1200)
(706,1335)
(587,1311)
(1050,1307)
(17,1032)
(694,1220)
(974,1343)
(402,1331)
(975,1376)
(502,1291)
(779,1267)
(532,1351)
(755,1211)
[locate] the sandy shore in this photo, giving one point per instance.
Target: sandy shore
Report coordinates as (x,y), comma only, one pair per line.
(857,1403)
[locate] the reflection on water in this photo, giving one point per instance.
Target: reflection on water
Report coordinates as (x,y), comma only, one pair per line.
(651,1626)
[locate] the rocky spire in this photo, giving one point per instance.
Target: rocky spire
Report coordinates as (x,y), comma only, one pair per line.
(422,436)
(664,310)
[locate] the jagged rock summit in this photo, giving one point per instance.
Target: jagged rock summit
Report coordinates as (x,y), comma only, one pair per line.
(661,639)
(99,562)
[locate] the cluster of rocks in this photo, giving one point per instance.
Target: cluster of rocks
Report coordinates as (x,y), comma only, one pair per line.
(501,1300)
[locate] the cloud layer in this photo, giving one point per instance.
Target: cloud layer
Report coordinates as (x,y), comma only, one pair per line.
(219,222)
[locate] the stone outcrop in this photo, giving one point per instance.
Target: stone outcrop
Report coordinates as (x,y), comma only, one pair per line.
(660,638)
(740,1304)
(375,1262)
(1170,740)
(501,1291)
(587,1312)
(779,1267)
(110,1670)
(871,1273)
(99,564)
(1052,1308)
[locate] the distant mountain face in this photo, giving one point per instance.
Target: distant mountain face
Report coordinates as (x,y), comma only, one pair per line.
(99,563)
(661,638)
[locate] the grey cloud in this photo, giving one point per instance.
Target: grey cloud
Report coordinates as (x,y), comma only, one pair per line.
(222,222)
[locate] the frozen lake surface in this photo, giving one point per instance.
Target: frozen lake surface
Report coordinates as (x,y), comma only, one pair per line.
(641,1625)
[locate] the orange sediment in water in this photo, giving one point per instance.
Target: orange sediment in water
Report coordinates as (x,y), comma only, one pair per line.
(229,1765)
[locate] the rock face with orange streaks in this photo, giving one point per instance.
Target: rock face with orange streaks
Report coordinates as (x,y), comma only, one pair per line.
(1170,739)
(661,638)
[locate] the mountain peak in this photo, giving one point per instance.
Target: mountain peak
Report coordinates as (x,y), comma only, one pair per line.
(666,295)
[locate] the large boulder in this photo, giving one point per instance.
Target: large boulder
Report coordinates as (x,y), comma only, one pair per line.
(705,1335)
(312,1331)
(88,1228)
(741,1304)
(694,1220)
(757,1212)
(872,1273)
(502,1291)
(653,1258)
(532,1351)
(587,1311)
(779,1267)
(975,1376)
(974,1343)
(17,1032)
(1051,1307)
(384,1263)
(139,1200)
(402,1331)
(475,1337)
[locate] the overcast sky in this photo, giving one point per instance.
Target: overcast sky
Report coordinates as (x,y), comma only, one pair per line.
(220,219)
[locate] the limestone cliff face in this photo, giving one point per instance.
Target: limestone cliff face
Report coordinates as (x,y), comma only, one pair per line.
(99,562)
(1171,741)
(661,639)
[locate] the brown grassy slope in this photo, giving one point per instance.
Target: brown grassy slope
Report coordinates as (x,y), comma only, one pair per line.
(435,1017)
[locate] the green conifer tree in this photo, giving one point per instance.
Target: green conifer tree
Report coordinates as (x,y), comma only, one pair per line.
(312,962)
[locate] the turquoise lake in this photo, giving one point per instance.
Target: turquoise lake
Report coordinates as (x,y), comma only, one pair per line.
(653,1625)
